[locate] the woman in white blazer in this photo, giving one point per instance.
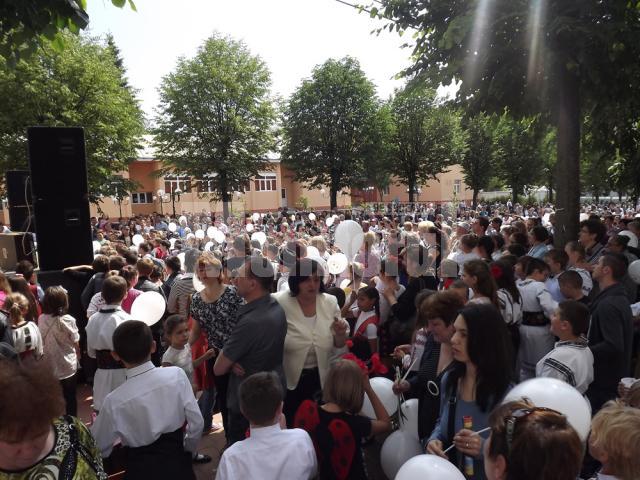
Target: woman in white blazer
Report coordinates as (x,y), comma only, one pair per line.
(316,334)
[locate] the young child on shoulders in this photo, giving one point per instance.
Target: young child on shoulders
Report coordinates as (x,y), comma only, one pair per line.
(367,318)
(338,418)
(615,442)
(290,453)
(176,330)
(571,360)
(149,411)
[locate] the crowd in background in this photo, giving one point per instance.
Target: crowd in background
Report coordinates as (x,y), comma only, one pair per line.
(268,325)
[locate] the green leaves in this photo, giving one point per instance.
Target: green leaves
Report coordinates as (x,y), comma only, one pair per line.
(332,128)
(78,85)
(215,116)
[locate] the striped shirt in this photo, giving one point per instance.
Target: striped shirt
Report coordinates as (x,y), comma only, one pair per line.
(571,362)
(181,290)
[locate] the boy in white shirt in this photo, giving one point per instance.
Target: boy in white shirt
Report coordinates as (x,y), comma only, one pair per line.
(571,360)
(148,412)
(271,452)
(110,373)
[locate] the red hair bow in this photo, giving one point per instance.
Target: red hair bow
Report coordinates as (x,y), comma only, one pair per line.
(496,271)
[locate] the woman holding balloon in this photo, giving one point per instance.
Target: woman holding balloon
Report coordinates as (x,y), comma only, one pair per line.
(476,383)
(437,312)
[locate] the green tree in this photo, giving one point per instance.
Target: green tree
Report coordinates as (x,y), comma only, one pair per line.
(216,118)
(517,152)
(427,137)
(558,58)
(549,152)
(477,162)
(26,25)
(80,85)
(331,127)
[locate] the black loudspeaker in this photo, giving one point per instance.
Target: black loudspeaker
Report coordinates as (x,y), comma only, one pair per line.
(19,200)
(60,196)
(15,247)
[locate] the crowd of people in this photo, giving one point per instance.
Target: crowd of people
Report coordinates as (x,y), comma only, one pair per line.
(268,324)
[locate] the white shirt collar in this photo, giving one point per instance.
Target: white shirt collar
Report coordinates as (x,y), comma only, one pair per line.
(261,432)
(140,369)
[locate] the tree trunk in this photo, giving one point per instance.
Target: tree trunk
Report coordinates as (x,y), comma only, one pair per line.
(412,188)
(334,197)
(514,193)
(568,197)
(225,198)
(474,201)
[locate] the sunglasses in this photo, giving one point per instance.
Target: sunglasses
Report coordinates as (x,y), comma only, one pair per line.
(511,421)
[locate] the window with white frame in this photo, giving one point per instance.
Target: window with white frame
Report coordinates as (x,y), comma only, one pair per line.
(142,197)
(457,186)
(175,182)
(265,182)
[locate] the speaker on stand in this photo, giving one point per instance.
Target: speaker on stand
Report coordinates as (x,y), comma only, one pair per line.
(60,196)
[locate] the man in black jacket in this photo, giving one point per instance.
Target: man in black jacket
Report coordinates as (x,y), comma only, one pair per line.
(611,330)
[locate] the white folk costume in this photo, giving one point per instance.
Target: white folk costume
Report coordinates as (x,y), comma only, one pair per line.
(110,373)
(536,339)
(571,362)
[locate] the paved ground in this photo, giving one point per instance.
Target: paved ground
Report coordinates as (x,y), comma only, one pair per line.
(213,443)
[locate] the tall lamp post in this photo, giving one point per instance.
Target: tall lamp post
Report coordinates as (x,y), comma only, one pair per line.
(162,197)
(175,193)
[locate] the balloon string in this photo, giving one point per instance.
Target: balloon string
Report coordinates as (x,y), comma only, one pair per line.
(477,433)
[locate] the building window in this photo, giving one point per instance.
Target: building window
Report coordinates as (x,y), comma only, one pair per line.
(175,182)
(142,197)
(265,182)
(283,193)
(457,186)
(204,185)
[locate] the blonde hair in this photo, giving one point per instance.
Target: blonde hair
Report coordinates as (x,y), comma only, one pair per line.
(369,239)
(343,386)
(17,305)
(319,243)
(616,430)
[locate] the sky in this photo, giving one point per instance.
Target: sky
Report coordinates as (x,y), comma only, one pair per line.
(291,36)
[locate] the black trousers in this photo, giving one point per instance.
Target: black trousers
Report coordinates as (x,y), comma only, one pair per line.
(308,388)
(163,459)
(69,393)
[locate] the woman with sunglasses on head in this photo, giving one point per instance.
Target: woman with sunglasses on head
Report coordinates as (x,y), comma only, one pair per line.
(478,380)
(531,443)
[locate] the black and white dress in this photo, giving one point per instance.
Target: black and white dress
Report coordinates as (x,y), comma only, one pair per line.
(218,318)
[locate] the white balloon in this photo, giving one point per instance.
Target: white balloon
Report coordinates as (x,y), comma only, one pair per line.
(96,246)
(148,307)
(218,236)
(329,221)
(312,216)
(211,231)
(409,424)
(255,217)
(384,390)
(292,218)
(249,227)
(207,246)
(199,234)
(260,237)
(633,239)
(349,237)
(558,395)
(584,216)
(634,271)
(172,227)
(137,239)
(182,220)
(133,248)
(397,449)
(428,467)
(190,236)
(181,258)
(172,242)
(312,251)
(337,263)
(197,284)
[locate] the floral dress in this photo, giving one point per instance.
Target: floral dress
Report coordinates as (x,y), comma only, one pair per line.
(218,318)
